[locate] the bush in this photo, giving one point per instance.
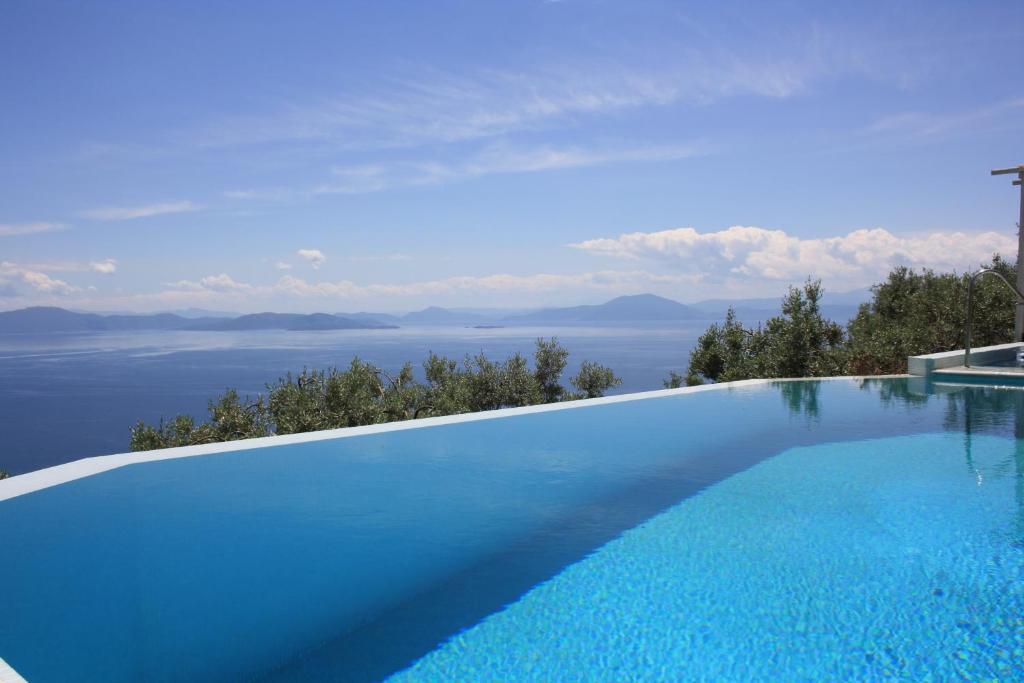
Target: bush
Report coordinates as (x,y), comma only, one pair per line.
(914,313)
(799,343)
(364,394)
(909,314)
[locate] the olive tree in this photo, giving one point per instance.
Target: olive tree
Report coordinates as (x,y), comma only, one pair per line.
(918,312)
(364,394)
(799,343)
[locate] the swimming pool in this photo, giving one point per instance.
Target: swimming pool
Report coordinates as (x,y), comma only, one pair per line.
(832,529)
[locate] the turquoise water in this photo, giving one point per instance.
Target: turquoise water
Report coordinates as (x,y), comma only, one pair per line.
(788,531)
(868,560)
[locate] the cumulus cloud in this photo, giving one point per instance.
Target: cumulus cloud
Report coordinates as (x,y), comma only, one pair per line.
(211,283)
(315,257)
(856,259)
(125,213)
(38,281)
(106,266)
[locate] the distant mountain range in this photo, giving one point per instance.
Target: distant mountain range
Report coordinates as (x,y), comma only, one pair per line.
(840,306)
(624,309)
(636,308)
(43,319)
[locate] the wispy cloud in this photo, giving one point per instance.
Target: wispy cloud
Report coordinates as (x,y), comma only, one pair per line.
(495,159)
(856,259)
(605,281)
(432,106)
(104,266)
(921,125)
(12,229)
(125,213)
(260,194)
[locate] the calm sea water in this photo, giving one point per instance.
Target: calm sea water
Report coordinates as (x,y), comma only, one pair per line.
(65,397)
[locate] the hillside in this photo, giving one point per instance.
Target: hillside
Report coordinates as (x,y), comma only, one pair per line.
(635,308)
(51,319)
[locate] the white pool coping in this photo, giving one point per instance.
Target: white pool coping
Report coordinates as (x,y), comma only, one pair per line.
(29,482)
(927,364)
(9,675)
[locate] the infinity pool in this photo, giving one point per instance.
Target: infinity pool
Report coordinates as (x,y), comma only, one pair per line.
(838,530)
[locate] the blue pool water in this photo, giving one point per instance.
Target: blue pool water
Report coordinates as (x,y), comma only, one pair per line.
(815,530)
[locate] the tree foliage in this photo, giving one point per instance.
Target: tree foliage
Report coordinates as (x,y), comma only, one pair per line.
(914,313)
(365,394)
(798,343)
(911,313)
(593,380)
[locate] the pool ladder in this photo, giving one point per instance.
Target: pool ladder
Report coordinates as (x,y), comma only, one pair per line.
(970,306)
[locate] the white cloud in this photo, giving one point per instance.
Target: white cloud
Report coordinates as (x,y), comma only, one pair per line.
(256,194)
(12,229)
(283,265)
(40,282)
(315,257)
(222,283)
(428,106)
(856,259)
(933,125)
(188,285)
(610,282)
(125,213)
(106,266)
(493,159)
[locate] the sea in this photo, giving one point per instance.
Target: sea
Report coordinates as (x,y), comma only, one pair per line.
(70,396)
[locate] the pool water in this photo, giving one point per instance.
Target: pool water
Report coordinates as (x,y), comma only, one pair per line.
(894,561)
(795,530)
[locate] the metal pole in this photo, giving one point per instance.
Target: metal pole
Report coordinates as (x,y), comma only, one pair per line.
(970,319)
(970,306)
(1018,318)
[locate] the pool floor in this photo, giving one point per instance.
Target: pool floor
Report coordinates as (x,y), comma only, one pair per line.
(889,559)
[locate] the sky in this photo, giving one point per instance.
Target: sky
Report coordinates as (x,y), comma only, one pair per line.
(345,156)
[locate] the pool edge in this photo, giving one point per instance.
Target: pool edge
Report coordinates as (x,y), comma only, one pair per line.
(8,674)
(37,480)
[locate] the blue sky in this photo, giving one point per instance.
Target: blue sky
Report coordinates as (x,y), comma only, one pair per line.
(375,155)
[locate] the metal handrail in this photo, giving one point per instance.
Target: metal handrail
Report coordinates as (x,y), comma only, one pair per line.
(970,306)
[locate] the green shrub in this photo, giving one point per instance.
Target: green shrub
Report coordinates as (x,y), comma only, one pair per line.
(364,394)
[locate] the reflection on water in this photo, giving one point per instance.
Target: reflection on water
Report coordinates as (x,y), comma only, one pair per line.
(968,410)
(800,397)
